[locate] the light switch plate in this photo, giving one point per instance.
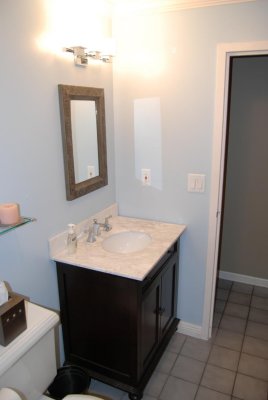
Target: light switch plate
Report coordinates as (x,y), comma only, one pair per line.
(196,183)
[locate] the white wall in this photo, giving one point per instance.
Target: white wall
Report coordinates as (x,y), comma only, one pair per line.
(31,157)
(172,57)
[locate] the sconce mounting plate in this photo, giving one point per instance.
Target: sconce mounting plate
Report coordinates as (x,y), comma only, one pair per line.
(82,55)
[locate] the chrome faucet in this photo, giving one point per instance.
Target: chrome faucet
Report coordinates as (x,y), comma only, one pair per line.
(93,232)
(106,226)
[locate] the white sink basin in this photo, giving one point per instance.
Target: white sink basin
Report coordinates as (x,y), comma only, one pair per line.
(126,242)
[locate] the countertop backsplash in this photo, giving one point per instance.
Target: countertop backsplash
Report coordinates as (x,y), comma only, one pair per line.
(57,243)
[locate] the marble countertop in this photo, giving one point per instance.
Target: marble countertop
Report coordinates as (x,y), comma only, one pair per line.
(134,265)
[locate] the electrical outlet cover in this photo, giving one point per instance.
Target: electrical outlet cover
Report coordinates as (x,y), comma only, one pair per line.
(146,176)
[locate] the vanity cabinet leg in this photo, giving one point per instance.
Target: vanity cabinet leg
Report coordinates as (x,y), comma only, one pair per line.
(133,396)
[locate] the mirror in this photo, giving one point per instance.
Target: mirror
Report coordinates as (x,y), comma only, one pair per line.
(82,113)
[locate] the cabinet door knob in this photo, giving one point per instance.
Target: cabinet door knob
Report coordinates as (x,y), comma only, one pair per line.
(161,310)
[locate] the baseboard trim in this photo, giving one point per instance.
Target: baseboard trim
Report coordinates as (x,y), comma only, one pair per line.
(190,329)
(251,280)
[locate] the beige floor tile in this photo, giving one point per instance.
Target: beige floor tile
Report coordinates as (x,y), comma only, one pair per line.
(257,330)
(259,302)
(240,298)
(233,324)
(98,388)
(255,347)
(216,319)
(224,284)
(219,306)
(253,366)
(178,389)
(258,315)
(242,288)
(176,342)
(260,291)
(188,369)
(218,379)
(213,334)
(222,294)
(146,398)
(196,348)
(126,397)
(229,339)
(166,362)
(236,310)
(156,384)
(224,358)
(248,388)
(208,394)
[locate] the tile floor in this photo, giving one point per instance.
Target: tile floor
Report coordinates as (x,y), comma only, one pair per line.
(233,364)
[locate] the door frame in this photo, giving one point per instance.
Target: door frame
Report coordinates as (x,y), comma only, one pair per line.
(225,51)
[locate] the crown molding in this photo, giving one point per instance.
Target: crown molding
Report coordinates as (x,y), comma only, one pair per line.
(130,6)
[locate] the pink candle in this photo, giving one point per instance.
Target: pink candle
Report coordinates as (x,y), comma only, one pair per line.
(9,213)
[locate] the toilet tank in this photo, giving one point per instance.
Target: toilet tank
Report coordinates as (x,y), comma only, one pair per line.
(28,363)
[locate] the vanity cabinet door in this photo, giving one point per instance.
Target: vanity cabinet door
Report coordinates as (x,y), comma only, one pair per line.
(168,303)
(99,315)
(158,308)
(150,322)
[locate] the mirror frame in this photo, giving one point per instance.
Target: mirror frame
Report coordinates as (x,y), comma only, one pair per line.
(66,94)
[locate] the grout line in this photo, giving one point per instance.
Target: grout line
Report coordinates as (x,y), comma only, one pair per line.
(230,290)
(242,345)
(258,338)
(253,377)
(244,336)
(206,364)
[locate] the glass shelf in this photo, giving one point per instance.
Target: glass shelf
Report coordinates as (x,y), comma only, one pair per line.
(7,228)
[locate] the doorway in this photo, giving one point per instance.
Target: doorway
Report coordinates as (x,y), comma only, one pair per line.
(243,250)
(226,53)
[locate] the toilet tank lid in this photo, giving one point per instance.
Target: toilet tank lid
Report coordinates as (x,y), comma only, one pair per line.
(40,320)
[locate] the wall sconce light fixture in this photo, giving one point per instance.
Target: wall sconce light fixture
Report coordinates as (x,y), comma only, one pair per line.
(82,55)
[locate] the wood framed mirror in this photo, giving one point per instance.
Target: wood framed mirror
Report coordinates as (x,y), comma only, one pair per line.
(82,113)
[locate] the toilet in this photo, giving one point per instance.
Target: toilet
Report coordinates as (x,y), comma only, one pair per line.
(28,363)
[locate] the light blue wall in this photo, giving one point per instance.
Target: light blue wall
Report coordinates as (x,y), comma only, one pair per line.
(31,158)
(172,56)
(182,76)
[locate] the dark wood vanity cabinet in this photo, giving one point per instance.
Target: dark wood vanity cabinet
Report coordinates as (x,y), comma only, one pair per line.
(116,327)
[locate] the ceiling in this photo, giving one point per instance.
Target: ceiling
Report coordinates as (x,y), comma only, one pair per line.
(167,5)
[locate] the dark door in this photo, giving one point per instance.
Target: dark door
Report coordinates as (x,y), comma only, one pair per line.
(150,322)
(167,309)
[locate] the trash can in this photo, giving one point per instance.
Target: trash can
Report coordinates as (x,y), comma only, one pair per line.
(70,379)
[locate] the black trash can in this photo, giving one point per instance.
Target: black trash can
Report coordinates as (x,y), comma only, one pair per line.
(70,379)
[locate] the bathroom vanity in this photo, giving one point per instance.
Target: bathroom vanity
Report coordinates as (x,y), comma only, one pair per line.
(119,310)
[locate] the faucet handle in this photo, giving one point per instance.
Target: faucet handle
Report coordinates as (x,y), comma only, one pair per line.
(107,219)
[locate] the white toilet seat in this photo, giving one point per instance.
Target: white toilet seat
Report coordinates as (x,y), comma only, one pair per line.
(9,394)
(81,397)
